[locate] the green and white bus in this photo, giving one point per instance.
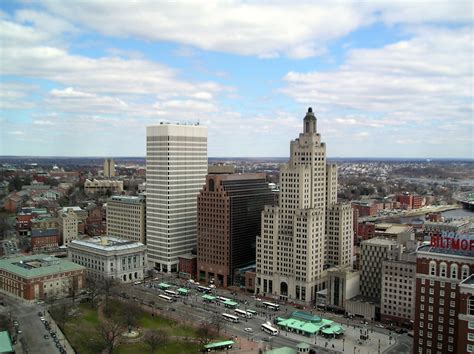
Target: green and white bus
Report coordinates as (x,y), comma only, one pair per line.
(218,346)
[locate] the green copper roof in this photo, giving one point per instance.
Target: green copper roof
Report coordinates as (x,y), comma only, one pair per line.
(5,343)
(37,265)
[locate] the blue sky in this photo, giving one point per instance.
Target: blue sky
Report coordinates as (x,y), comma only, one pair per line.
(85,78)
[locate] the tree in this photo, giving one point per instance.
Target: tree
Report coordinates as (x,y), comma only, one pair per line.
(60,313)
(109,332)
(94,289)
(106,288)
(131,315)
(218,322)
(5,226)
(204,333)
(155,338)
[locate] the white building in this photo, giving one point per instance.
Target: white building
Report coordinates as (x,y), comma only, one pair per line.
(101,186)
(109,168)
(110,257)
(126,217)
(68,225)
(340,236)
(176,171)
(291,250)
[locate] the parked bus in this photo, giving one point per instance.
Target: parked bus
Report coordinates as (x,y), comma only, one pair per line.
(219,346)
(252,312)
(271,306)
(164,286)
(242,313)
(171,293)
(269,329)
(203,289)
(222,299)
(165,298)
(230,318)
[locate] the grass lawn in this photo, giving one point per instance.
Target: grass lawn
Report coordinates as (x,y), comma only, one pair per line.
(81,332)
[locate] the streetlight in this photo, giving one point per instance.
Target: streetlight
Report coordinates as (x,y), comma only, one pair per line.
(354,350)
(343,340)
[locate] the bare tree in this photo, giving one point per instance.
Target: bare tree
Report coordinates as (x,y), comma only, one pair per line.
(131,315)
(110,332)
(218,322)
(107,286)
(204,333)
(60,313)
(155,338)
(94,289)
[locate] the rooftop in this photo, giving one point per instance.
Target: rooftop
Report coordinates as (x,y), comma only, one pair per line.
(37,265)
(469,281)
(5,343)
(107,243)
(380,241)
(127,199)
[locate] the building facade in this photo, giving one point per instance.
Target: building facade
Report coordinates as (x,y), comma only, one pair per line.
(110,258)
(340,236)
(40,277)
(102,186)
(126,218)
(398,290)
(343,284)
(109,168)
(229,220)
(292,244)
(372,253)
(443,320)
(176,171)
(68,226)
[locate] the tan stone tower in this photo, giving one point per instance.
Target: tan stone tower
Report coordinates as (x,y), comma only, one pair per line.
(292,247)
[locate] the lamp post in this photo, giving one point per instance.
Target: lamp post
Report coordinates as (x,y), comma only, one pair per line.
(343,340)
(354,350)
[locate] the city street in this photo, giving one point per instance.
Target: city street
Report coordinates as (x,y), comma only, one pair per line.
(192,309)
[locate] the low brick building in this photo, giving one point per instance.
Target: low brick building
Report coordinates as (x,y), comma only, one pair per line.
(40,277)
(187,266)
(43,240)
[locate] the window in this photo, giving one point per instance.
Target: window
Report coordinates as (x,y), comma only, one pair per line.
(470,325)
(465,271)
(470,348)
(432,268)
(443,269)
(470,305)
(470,337)
(454,271)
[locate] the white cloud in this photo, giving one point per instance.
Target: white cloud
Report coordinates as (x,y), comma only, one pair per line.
(298,29)
(428,77)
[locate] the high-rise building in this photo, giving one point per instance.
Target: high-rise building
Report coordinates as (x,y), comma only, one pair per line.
(229,220)
(126,217)
(372,253)
(176,171)
(340,236)
(291,250)
(68,226)
(109,168)
(398,290)
(444,308)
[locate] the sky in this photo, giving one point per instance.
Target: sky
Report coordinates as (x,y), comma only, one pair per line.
(385,79)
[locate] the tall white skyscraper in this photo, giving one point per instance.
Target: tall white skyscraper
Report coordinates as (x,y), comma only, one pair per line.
(291,250)
(175,172)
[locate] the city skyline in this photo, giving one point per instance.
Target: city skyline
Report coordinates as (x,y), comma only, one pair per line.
(85,79)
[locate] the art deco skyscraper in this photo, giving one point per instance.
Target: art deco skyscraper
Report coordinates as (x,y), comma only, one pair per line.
(292,247)
(176,171)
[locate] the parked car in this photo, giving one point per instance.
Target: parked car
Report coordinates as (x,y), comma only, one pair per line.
(46,336)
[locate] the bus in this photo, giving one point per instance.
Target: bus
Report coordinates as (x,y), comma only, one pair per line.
(269,329)
(230,318)
(252,313)
(242,313)
(271,306)
(171,293)
(203,289)
(165,298)
(219,346)
(222,299)
(164,286)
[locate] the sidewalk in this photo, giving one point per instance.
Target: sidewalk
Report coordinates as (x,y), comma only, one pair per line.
(62,338)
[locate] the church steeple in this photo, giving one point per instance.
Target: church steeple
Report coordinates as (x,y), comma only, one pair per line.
(309,122)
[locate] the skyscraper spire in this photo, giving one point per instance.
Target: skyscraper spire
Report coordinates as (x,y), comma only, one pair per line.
(309,122)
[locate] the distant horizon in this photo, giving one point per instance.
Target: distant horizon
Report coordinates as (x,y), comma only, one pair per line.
(236,157)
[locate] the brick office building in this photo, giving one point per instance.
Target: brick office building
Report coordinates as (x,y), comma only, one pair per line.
(439,319)
(229,219)
(40,277)
(465,338)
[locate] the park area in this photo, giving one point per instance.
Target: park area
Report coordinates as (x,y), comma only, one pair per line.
(124,328)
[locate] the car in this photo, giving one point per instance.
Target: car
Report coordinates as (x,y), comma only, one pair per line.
(40,314)
(379,325)
(46,336)
(15,322)
(19,331)
(248,329)
(42,319)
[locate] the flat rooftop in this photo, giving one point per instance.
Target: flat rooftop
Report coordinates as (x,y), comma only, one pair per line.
(107,243)
(127,199)
(37,265)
